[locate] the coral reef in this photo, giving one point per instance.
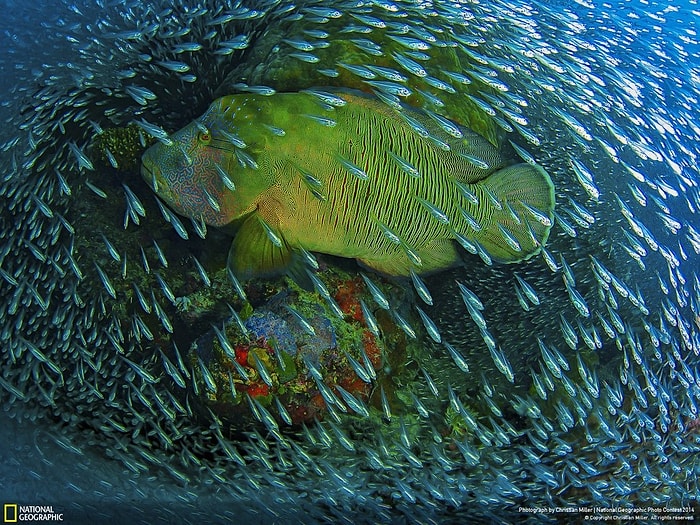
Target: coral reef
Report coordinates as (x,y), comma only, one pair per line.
(294,349)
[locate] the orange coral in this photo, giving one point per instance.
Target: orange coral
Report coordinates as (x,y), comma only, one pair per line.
(242,355)
(258,390)
(348,298)
(372,349)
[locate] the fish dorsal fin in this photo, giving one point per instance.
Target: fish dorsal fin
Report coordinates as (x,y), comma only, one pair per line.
(471,157)
(479,157)
(253,254)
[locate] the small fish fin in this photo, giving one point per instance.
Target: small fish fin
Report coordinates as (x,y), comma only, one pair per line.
(253,254)
(394,262)
(436,255)
(515,187)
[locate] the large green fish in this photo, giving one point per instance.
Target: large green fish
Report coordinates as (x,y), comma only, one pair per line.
(345,174)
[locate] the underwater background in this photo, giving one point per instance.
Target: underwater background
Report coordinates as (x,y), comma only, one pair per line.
(141,381)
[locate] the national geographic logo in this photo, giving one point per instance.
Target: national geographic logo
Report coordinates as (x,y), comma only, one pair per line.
(14,513)
(9,513)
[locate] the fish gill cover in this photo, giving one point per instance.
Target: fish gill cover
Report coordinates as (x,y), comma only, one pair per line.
(142,380)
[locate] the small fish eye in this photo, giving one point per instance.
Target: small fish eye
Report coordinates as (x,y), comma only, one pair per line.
(205,137)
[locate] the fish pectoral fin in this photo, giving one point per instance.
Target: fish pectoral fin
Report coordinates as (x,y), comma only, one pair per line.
(521,189)
(297,271)
(253,254)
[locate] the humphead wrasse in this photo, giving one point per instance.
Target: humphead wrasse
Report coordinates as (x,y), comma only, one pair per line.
(344,174)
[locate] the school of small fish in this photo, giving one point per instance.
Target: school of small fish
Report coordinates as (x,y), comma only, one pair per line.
(567,380)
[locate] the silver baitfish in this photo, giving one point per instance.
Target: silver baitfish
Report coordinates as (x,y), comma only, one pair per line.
(598,335)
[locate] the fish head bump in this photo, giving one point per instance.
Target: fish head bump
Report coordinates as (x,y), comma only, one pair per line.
(194,172)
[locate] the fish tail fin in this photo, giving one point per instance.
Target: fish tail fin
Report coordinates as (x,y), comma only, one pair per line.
(518,201)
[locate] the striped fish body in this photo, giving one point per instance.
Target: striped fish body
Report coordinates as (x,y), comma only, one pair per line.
(348,176)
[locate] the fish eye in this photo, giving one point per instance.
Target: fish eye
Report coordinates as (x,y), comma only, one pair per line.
(205,137)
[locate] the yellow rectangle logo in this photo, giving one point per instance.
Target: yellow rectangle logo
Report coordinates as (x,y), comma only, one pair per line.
(9,513)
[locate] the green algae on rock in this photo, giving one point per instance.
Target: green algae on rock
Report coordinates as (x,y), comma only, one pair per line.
(121,148)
